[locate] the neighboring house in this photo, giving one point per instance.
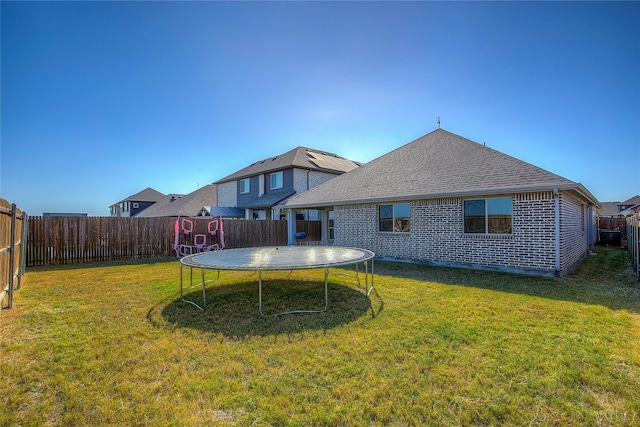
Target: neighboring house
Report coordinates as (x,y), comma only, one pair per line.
(446,200)
(263,186)
(620,209)
(630,206)
(134,205)
(609,209)
(184,205)
(66,214)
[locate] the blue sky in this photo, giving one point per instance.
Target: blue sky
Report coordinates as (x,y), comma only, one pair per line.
(103,99)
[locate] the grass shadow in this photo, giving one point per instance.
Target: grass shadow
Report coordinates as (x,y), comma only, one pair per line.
(605,279)
(233,309)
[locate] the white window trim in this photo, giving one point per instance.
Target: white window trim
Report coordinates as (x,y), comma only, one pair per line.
(281,180)
(248,180)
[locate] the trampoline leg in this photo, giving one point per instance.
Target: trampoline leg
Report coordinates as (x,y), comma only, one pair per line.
(204,295)
(366,275)
(260,291)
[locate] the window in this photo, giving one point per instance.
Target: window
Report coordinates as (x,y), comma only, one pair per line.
(394,218)
(488,216)
(331,226)
(276,180)
(245,186)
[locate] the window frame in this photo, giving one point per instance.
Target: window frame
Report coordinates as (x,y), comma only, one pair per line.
(281,179)
(248,181)
(394,219)
(487,215)
(331,225)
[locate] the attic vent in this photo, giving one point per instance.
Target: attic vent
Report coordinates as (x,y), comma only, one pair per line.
(274,158)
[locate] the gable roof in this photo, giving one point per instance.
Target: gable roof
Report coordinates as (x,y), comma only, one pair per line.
(439,164)
(609,209)
(300,157)
(146,195)
(188,205)
(632,201)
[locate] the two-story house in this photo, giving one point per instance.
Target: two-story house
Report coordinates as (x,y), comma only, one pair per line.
(263,186)
(133,205)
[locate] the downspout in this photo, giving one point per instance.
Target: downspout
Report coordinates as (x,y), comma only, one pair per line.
(556,199)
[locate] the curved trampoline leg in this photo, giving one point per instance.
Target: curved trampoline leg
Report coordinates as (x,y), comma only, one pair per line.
(366,275)
(326,297)
(204,294)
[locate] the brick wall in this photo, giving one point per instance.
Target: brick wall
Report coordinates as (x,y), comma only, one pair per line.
(437,236)
(573,231)
(228,194)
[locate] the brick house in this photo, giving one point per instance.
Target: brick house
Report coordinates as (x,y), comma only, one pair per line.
(446,200)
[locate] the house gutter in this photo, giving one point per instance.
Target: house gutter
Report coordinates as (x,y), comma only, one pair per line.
(397,198)
(556,199)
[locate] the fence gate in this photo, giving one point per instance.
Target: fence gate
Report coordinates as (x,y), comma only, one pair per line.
(13,235)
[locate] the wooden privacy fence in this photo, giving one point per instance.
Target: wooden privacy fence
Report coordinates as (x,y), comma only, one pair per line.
(13,233)
(71,240)
(633,242)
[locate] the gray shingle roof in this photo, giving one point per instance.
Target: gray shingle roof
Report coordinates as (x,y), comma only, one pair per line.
(188,205)
(439,164)
(146,195)
(225,212)
(300,157)
(632,201)
(609,209)
(268,200)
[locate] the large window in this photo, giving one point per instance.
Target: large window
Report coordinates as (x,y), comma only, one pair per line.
(488,216)
(394,218)
(245,186)
(276,180)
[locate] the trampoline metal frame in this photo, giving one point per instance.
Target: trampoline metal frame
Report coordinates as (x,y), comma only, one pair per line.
(185,262)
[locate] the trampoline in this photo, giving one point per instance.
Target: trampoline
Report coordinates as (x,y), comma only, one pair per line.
(278,258)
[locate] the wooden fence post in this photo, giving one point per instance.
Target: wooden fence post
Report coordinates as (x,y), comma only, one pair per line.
(12,254)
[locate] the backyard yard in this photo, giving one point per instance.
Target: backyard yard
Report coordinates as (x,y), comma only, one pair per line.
(113,344)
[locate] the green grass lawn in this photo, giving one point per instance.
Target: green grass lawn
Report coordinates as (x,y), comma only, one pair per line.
(113,344)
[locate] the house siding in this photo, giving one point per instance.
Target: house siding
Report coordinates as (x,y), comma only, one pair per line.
(227,194)
(573,231)
(304,180)
(436,235)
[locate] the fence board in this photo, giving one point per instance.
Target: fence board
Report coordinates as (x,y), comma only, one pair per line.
(72,240)
(618,224)
(633,242)
(12,248)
